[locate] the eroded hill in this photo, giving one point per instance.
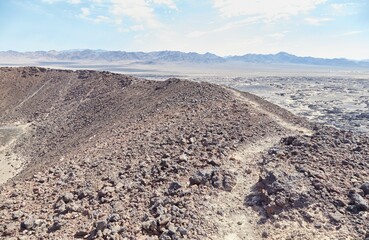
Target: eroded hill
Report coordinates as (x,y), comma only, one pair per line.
(111,156)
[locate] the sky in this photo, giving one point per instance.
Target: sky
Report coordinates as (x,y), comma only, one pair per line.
(319,28)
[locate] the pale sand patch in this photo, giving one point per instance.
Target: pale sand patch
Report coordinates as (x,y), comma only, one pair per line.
(10,163)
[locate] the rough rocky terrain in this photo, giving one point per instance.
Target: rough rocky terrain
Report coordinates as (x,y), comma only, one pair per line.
(339,101)
(315,182)
(109,156)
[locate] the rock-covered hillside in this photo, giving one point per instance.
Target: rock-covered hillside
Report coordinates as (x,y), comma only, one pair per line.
(315,182)
(103,155)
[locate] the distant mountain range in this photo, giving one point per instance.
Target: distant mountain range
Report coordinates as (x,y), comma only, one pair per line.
(177,56)
(286,58)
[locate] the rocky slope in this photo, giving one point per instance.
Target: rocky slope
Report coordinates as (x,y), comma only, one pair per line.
(308,183)
(114,157)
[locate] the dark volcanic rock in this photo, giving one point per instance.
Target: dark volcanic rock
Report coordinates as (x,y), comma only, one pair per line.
(365,188)
(358,203)
(316,180)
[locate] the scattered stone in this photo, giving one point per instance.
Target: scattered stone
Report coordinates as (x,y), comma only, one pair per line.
(174,187)
(358,203)
(57,225)
(101,225)
(114,217)
(229,182)
(365,188)
(28,224)
(67,197)
(336,217)
(60,207)
(183,231)
(183,158)
(151,227)
(200,177)
(73,207)
(81,234)
(17,215)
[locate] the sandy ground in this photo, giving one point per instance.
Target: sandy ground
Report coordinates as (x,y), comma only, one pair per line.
(10,163)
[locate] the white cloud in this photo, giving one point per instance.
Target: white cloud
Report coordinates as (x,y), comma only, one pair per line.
(269,9)
(228,26)
(346,9)
(339,6)
(317,21)
(101,18)
(278,35)
(137,10)
(68,1)
(349,33)
(50,1)
(134,28)
(168,3)
(85,12)
(259,11)
(137,28)
(87,15)
(140,12)
(352,33)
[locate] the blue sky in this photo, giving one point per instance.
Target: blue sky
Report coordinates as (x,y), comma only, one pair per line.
(321,28)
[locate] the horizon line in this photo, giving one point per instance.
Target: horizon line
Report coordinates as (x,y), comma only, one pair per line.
(187,52)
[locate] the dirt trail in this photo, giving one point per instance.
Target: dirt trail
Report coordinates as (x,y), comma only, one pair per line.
(237,221)
(31,96)
(288,125)
(10,163)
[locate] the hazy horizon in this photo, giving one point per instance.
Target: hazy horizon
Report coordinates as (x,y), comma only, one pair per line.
(317,28)
(187,52)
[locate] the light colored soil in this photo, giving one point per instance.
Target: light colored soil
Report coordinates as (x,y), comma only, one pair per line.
(239,221)
(10,163)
